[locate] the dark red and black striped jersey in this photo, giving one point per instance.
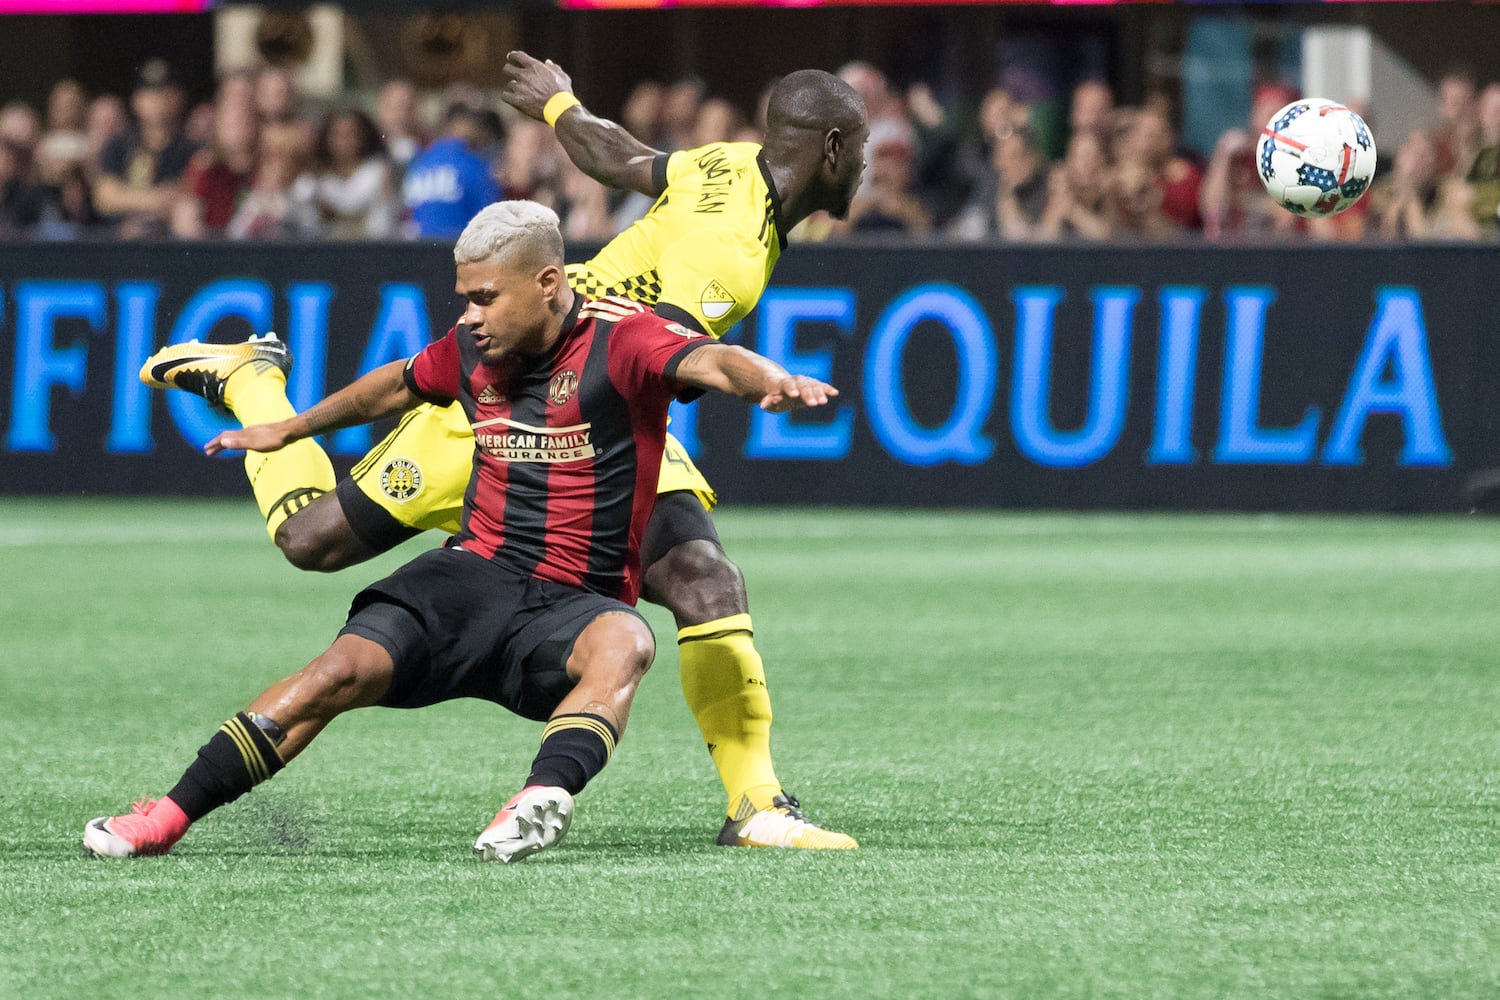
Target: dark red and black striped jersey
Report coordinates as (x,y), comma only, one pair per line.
(567,445)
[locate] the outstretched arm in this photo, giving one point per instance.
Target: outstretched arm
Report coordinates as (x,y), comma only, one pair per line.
(597,146)
(381,393)
(731,369)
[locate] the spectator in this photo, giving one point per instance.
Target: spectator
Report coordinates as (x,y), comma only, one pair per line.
(396,117)
(449,182)
(1011,195)
(1408,198)
(1080,192)
(757,123)
(888,121)
(278,104)
(18,195)
(1156,190)
(141,173)
(718,121)
(219,176)
(997,115)
(268,211)
(943,178)
(66,207)
(679,112)
(531,167)
(277,100)
(1484,174)
(817,228)
(198,126)
(585,208)
(1452,216)
(19,125)
(1092,108)
(61,154)
(236,89)
(1232,200)
(1455,134)
(891,205)
(348,194)
(65,140)
(642,117)
(106,122)
(642,113)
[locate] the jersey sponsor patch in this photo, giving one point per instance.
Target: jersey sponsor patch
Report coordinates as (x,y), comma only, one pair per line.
(513,441)
(401,479)
(715,300)
(683,331)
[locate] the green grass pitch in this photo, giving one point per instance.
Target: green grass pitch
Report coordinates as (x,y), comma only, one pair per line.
(1087,756)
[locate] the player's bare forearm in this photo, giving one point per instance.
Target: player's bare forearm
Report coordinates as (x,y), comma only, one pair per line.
(380,393)
(606,152)
(731,369)
(599,147)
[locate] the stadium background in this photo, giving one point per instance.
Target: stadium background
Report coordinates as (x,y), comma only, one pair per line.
(1257,376)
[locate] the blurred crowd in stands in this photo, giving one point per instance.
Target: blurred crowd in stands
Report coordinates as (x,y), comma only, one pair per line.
(259,162)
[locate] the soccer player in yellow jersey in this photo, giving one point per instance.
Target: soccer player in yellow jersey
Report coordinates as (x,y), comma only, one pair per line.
(702,256)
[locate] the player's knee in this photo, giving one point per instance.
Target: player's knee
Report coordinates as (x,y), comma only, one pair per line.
(633,647)
(698,583)
(307,550)
(617,647)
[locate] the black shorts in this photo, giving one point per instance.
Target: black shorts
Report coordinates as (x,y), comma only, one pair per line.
(678,517)
(460,626)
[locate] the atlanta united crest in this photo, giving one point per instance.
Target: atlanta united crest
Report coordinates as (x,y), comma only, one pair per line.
(401,479)
(564,384)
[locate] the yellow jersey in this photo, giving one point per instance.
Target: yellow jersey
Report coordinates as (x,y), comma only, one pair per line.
(706,249)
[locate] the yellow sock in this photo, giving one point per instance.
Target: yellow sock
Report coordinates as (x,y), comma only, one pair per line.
(724,683)
(284,481)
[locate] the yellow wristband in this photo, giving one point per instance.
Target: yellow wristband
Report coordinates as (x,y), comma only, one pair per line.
(556,105)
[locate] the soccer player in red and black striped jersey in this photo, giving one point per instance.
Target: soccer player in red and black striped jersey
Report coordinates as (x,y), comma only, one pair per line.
(702,256)
(531,604)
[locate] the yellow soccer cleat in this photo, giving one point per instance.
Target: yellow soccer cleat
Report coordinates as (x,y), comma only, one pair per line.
(204,368)
(782,825)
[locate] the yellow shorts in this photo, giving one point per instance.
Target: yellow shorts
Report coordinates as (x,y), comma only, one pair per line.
(418,473)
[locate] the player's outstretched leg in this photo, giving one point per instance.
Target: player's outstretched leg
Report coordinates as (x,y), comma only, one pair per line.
(249,380)
(608,659)
(249,748)
(723,678)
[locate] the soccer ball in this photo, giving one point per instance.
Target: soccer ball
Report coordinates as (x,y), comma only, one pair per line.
(1316,157)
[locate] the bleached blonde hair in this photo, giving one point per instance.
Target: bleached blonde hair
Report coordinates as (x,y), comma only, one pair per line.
(520,232)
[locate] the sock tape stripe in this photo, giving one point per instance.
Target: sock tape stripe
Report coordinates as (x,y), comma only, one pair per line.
(599,729)
(260,760)
(716,629)
(258,769)
(235,731)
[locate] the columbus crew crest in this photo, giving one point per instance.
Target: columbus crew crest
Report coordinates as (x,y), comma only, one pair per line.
(564,384)
(401,479)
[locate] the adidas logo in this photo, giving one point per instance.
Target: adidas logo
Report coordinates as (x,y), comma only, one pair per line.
(489,395)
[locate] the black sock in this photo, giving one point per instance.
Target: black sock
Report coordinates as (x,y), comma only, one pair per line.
(239,757)
(574,749)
